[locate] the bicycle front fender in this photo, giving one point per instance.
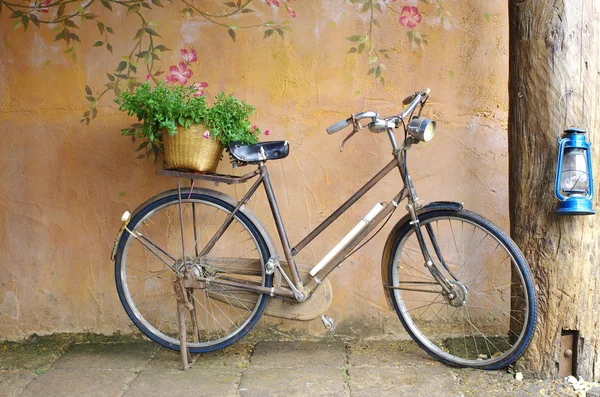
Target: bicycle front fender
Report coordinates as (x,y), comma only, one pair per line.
(209,192)
(398,228)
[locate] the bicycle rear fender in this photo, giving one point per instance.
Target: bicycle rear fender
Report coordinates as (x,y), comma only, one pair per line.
(221,196)
(387,251)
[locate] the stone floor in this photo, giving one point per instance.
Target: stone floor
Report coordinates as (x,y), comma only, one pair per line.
(267,368)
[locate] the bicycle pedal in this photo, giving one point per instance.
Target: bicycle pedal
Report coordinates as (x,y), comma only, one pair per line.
(328,323)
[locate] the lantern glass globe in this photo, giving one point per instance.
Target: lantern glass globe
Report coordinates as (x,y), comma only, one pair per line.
(575,174)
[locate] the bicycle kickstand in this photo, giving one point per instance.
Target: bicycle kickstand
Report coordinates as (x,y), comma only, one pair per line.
(183,307)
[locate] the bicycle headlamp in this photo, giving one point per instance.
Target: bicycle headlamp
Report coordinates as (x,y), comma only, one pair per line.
(421,129)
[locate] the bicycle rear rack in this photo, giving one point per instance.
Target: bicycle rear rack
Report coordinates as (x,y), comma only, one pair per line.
(216,178)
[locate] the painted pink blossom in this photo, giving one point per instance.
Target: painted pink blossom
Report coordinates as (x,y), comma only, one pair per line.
(148,77)
(291,12)
(44,3)
(179,73)
(198,88)
(206,134)
(189,57)
(409,16)
(273,2)
(266,132)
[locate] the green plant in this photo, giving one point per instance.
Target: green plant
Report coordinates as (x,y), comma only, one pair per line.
(228,121)
(159,109)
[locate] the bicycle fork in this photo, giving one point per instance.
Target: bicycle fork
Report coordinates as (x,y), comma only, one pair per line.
(449,287)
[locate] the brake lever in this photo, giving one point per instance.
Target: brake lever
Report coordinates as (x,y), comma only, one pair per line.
(355,128)
(354,131)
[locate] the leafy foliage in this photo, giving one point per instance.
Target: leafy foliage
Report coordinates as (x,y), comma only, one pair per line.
(228,121)
(163,108)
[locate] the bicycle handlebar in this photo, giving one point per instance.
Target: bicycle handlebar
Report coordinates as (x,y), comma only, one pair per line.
(411,100)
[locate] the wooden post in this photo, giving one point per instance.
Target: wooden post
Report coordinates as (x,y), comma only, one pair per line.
(554,47)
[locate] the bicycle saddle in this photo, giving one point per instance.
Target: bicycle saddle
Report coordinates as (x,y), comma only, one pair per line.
(261,151)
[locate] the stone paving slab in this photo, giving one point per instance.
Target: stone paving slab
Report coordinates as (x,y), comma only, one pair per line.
(80,382)
(299,354)
(423,380)
(290,382)
(205,381)
(232,357)
(12,383)
(266,368)
(474,383)
(387,353)
(29,355)
(118,356)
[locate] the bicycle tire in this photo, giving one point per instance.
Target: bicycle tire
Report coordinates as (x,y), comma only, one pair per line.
(142,278)
(487,318)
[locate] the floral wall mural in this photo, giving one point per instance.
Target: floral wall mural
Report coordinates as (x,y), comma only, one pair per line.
(67,174)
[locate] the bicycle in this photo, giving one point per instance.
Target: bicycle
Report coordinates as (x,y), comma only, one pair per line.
(459,285)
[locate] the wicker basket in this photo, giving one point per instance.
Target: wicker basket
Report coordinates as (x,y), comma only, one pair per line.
(188,149)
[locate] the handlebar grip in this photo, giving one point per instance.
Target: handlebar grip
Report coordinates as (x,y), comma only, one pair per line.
(340,125)
(408,99)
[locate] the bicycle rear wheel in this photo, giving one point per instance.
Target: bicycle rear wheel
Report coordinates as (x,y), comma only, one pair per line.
(144,276)
(489,318)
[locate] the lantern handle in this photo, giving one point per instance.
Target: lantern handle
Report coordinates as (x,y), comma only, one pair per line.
(562,126)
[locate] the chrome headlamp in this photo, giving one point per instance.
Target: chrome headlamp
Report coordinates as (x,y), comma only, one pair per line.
(421,129)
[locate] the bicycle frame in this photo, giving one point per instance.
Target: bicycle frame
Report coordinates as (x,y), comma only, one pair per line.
(296,288)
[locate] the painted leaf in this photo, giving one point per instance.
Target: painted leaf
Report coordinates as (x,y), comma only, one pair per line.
(98,44)
(231,33)
(152,32)
(268,33)
(356,38)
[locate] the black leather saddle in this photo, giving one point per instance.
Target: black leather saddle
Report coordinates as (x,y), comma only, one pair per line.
(261,151)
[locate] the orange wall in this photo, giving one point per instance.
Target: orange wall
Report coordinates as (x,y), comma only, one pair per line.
(64,185)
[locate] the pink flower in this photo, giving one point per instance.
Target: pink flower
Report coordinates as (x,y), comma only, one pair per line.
(274,2)
(197,87)
(206,134)
(44,3)
(266,132)
(148,77)
(189,57)
(179,73)
(292,12)
(409,16)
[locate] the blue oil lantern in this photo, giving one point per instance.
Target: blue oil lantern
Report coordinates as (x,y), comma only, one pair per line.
(574,185)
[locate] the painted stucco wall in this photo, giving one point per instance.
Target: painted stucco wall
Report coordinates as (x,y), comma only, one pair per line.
(64,185)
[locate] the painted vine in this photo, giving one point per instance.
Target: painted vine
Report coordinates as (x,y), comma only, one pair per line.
(67,17)
(409,17)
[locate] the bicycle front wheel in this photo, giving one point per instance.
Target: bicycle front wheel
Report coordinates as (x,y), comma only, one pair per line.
(146,266)
(488,317)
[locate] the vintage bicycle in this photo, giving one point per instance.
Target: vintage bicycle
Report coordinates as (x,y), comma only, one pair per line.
(195,268)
